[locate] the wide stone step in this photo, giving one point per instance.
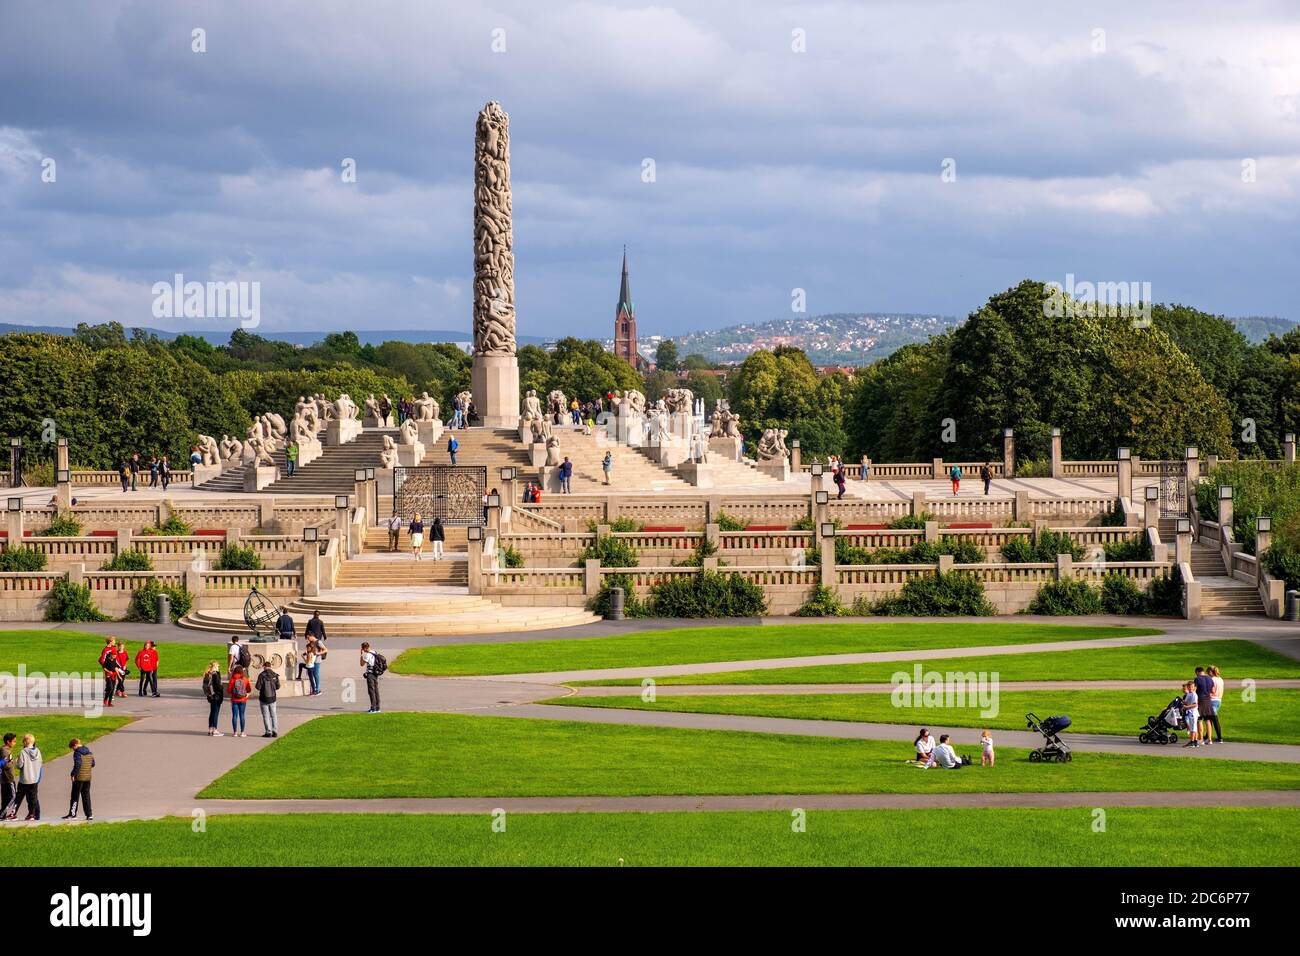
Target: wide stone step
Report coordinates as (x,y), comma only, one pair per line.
(494,619)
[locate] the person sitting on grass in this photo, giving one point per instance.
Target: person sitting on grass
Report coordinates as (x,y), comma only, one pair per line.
(946,757)
(924,748)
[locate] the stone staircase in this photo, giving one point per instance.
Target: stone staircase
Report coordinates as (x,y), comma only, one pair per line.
(1220,594)
(632,471)
(334,472)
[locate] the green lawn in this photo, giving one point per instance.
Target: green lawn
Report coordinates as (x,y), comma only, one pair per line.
(734,643)
(1237,659)
(1134,836)
(437,755)
(78,651)
(53,731)
(1120,712)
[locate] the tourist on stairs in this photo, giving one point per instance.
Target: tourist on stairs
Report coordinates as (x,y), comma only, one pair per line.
(416,530)
(437,534)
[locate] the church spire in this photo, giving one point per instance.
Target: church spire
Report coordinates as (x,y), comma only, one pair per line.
(625,291)
(625,321)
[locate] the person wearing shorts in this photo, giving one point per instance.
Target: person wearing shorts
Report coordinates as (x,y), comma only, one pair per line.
(1205,705)
(416,530)
(1191,712)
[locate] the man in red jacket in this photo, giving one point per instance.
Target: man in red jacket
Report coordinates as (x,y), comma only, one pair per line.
(146,659)
(123,660)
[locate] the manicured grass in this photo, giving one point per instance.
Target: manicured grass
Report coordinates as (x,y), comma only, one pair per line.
(1134,836)
(1237,659)
(53,731)
(1120,712)
(78,651)
(734,643)
(437,755)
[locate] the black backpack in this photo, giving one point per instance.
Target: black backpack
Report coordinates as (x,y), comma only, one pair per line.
(380,665)
(245,658)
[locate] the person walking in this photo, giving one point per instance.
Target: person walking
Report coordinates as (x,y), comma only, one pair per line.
(955,475)
(146,662)
(416,530)
(135,469)
(236,655)
(30,767)
(394,532)
(215,694)
(986,476)
(373,666)
(83,763)
(838,478)
(153,472)
(453,446)
(316,632)
(268,682)
(108,664)
(239,692)
(438,535)
(8,776)
(165,472)
(124,474)
(566,475)
(574,412)
(607,465)
(291,458)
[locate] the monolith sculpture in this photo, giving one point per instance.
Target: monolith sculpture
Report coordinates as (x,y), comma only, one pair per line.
(495,371)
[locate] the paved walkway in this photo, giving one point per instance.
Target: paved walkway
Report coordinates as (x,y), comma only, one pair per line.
(715,690)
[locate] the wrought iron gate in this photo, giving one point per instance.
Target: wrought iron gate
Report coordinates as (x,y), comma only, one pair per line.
(453,493)
(1172,478)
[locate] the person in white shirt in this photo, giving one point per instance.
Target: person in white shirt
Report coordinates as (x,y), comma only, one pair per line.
(924,748)
(372,679)
(394,531)
(945,756)
(986,749)
(232,653)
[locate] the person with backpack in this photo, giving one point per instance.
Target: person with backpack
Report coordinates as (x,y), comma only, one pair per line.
(955,475)
(986,476)
(237,655)
(8,776)
(284,627)
(83,762)
(124,475)
(437,535)
(30,767)
(165,472)
(268,682)
(607,465)
(838,477)
(112,670)
(215,694)
(373,666)
(453,446)
(239,691)
(566,476)
(146,660)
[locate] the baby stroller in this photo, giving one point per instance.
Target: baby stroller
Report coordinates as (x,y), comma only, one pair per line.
(1055,748)
(1160,729)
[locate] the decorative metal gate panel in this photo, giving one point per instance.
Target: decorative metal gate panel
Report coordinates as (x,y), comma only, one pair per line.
(1172,477)
(453,493)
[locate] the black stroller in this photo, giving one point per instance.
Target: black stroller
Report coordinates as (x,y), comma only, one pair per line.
(1160,729)
(1055,748)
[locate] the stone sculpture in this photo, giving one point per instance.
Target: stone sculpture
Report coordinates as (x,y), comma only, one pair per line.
(233,453)
(388,455)
(635,400)
(532,410)
(209,453)
(553,450)
(494,258)
(345,408)
(771,447)
(372,408)
(410,432)
(679,400)
(557,406)
(426,408)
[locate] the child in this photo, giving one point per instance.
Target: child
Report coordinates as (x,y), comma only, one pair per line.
(986,749)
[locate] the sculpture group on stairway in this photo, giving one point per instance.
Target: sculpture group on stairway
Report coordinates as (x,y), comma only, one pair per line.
(209,451)
(388,455)
(771,447)
(557,406)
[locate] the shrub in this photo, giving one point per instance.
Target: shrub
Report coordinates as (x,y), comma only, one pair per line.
(130,560)
(941,595)
(704,548)
(963,551)
(173,526)
(1019,550)
(823,602)
(1137,548)
(510,557)
(1283,562)
(911,521)
(72,602)
(39,475)
(707,594)
(62,525)
(1034,468)
(633,606)
(144,603)
(621,525)
(1115,517)
(1046,545)
(1255,491)
(611,552)
(1065,597)
(726,522)
(22,559)
(236,557)
(1121,595)
(806,524)
(1165,595)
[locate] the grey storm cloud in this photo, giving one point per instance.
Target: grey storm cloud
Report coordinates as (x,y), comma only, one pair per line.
(1107,142)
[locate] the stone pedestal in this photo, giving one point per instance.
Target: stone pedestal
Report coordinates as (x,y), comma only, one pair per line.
(525,432)
(309,451)
(283,656)
(257,477)
(495,381)
(725,447)
(374,421)
(340,431)
(777,468)
(548,476)
(537,454)
(408,456)
(696,474)
(682,425)
(428,432)
(202,473)
(669,454)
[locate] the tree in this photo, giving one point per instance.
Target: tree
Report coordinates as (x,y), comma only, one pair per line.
(666,356)
(705,386)
(694,362)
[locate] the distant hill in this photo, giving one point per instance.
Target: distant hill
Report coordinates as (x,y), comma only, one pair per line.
(1259,327)
(222,336)
(836,339)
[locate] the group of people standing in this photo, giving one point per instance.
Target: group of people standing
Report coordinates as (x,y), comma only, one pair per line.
(130,470)
(115,660)
(1202,696)
(20,778)
(415,531)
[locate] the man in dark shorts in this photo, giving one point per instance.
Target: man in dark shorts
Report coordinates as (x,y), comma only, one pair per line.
(1205,706)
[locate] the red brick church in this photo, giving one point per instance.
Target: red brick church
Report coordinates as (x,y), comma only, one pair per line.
(625,322)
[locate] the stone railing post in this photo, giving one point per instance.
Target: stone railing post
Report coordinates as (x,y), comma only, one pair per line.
(266,512)
(713,534)
(1021,510)
(1183,542)
(796,460)
(1057,470)
(1124,469)
(932,531)
(918,502)
(1288,448)
(1064,567)
(310,568)
(1151,507)
(827,577)
(494,520)
(936,468)
(1191,594)
(820,507)
(122,541)
(712,509)
(77,575)
(474,557)
(1192,469)
(591,577)
(945,563)
(14,524)
(1008,453)
(194,583)
(1263,541)
(1225,505)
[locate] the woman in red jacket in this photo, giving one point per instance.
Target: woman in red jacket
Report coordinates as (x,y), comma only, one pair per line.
(123,660)
(238,690)
(146,660)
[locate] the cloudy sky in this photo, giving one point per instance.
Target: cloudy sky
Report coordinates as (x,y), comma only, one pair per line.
(793,146)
